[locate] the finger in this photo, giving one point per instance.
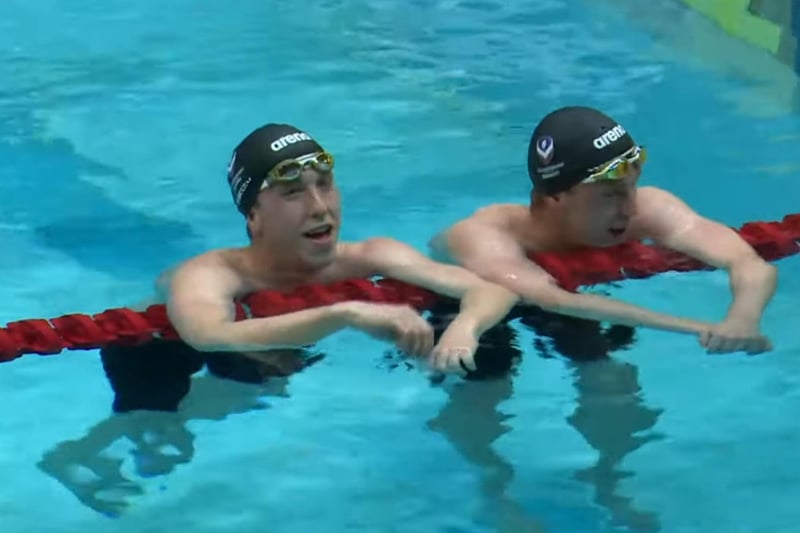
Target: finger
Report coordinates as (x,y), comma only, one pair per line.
(454,366)
(421,344)
(738,345)
(414,328)
(720,344)
(458,367)
(440,361)
(409,341)
(417,336)
(409,336)
(460,362)
(431,360)
(423,338)
(448,362)
(760,345)
(428,339)
(755,349)
(467,360)
(405,341)
(753,346)
(702,342)
(713,344)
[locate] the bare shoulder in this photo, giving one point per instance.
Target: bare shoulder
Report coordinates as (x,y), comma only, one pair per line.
(379,250)
(376,256)
(215,270)
(213,259)
(493,215)
(653,196)
(659,212)
(494,219)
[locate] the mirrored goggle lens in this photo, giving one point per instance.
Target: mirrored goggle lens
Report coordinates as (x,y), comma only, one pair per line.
(292,168)
(622,167)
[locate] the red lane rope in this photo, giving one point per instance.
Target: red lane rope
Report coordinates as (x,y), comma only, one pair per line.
(772,241)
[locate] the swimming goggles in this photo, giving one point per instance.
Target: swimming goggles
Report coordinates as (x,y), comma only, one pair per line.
(291,169)
(619,168)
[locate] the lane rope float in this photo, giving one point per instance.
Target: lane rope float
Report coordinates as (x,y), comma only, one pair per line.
(588,266)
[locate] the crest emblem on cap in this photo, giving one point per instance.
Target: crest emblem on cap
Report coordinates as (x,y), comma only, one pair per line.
(544,149)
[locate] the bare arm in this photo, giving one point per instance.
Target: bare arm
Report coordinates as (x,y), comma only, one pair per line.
(673,224)
(483,304)
(200,306)
(496,256)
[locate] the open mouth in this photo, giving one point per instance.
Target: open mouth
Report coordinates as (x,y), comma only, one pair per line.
(319,233)
(617,232)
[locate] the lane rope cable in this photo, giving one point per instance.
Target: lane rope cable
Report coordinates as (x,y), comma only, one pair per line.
(584,267)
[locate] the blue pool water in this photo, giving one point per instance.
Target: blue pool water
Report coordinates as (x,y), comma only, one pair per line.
(116,122)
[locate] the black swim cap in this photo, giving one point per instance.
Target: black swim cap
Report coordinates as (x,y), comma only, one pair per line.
(570,141)
(258,154)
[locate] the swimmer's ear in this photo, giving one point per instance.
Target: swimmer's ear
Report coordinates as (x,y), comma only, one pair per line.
(538,198)
(252,223)
(541,199)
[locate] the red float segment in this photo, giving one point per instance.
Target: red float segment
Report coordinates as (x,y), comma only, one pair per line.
(771,240)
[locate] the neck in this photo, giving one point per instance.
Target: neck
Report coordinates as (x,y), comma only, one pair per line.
(551,231)
(280,268)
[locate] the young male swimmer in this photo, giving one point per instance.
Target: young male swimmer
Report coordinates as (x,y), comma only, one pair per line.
(585,169)
(282,181)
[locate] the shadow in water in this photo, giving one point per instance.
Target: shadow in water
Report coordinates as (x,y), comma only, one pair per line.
(147,416)
(610,413)
(45,181)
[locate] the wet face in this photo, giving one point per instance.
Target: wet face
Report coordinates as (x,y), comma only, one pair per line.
(298,220)
(599,214)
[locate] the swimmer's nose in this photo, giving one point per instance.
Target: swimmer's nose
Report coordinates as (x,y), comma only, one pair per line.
(627,206)
(627,209)
(317,204)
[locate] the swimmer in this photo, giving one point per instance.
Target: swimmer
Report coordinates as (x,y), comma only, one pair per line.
(585,169)
(282,182)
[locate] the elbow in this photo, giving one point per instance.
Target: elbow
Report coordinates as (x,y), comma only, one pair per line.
(199,332)
(769,277)
(770,273)
(201,343)
(754,271)
(204,340)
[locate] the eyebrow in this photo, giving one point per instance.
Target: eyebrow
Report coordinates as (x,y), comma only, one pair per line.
(283,185)
(615,186)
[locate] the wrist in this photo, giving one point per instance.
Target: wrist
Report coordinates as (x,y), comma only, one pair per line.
(346,313)
(466,324)
(743,319)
